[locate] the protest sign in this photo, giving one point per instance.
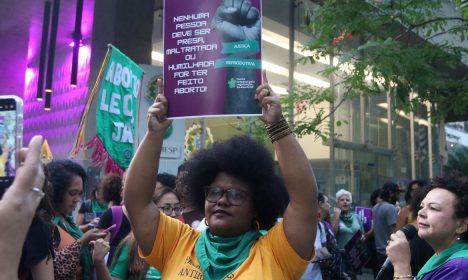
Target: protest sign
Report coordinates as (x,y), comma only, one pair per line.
(212,57)
(357,251)
(366,217)
(118,85)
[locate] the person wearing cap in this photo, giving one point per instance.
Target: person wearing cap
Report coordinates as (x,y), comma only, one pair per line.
(384,215)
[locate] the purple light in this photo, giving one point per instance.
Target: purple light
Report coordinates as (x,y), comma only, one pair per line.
(28,77)
(72,44)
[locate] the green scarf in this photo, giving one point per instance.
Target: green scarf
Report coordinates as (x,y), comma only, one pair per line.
(75,231)
(457,250)
(347,219)
(220,256)
(97,207)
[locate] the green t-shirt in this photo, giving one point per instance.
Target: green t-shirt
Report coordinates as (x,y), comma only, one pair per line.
(347,231)
(119,267)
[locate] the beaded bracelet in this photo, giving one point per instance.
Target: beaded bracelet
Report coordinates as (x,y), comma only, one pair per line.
(403,276)
(278,130)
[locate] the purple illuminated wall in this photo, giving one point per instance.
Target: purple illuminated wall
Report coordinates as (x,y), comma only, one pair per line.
(59,125)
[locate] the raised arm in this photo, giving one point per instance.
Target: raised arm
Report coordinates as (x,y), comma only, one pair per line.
(300,217)
(141,176)
(17,207)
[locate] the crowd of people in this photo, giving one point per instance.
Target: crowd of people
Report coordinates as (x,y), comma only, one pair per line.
(227,214)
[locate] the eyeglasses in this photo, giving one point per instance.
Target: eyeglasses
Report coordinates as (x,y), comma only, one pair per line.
(168,210)
(235,197)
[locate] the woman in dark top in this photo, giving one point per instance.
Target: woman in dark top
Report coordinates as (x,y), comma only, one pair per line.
(107,219)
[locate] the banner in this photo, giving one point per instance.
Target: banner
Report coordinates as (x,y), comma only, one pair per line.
(118,84)
(357,251)
(212,57)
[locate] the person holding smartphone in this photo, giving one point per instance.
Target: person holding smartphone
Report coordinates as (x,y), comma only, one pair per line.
(72,256)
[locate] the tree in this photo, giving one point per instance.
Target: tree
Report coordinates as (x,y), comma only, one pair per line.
(457,162)
(384,46)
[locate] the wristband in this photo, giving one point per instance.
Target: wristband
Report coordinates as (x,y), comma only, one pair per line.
(278,130)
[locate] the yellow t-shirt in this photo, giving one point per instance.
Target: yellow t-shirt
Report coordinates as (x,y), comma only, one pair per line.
(271,256)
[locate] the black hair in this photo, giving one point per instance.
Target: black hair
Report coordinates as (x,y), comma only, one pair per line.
(182,167)
(167,180)
(162,192)
(374,195)
(459,187)
(60,174)
(247,160)
(111,185)
(387,189)
(321,197)
(420,183)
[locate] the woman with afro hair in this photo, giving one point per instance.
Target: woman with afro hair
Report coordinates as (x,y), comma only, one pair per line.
(235,184)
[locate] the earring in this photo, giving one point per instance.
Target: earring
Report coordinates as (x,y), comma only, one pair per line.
(206,222)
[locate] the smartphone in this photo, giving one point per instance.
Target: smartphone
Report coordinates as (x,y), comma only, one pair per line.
(109,228)
(11,137)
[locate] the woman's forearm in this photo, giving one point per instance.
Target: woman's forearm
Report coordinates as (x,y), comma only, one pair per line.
(297,173)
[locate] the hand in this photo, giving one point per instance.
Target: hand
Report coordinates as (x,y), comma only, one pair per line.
(94,222)
(157,113)
(100,249)
(398,250)
(237,20)
(337,212)
(92,234)
(26,189)
(269,101)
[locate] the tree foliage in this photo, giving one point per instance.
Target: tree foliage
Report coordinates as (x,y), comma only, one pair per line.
(457,162)
(383,46)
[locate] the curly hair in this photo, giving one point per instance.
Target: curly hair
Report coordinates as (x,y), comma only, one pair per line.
(60,174)
(111,185)
(459,187)
(247,160)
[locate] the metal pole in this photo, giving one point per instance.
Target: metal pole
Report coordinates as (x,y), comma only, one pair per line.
(412,148)
(429,140)
(332,132)
(292,7)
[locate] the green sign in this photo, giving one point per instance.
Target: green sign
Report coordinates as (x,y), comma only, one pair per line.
(117,107)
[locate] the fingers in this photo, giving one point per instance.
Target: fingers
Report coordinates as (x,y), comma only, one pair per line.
(33,156)
(245,7)
(160,88)
(30,174)
(264,76)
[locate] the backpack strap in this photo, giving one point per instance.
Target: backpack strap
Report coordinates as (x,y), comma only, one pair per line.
(117,217)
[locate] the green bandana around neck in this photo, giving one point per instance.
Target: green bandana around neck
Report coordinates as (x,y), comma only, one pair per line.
(347,219)
(457,250)
(76,233)
(220,256)
(97,207)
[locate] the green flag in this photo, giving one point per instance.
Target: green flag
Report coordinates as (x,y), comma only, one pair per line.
(117,107)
